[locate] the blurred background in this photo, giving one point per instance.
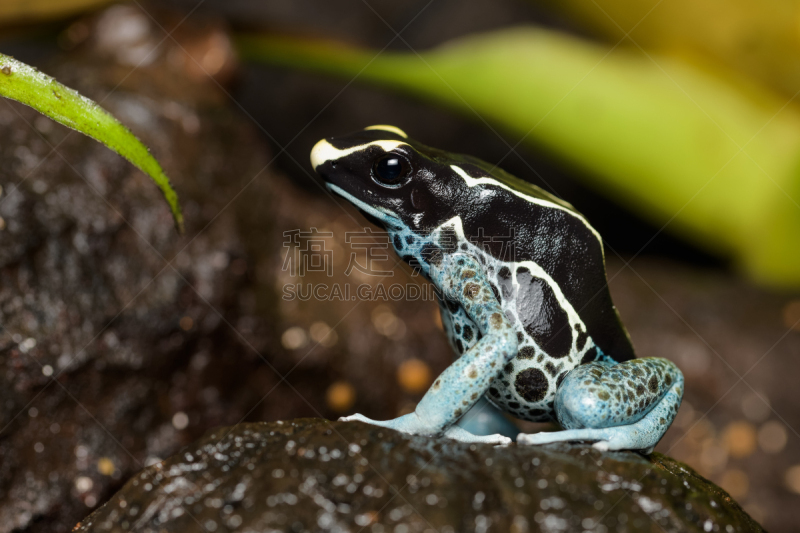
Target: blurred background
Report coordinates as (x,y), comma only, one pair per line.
(672,125)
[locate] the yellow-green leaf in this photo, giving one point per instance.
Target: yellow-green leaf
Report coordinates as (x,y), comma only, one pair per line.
(25,11)
(25,84)
(713,159)
(757,39)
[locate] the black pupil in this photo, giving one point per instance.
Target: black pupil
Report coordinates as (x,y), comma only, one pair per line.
(389,168)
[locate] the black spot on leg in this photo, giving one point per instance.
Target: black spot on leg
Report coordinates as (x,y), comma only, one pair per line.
(451,305)
(527,352)
(520,337)
(531,384)
(467,335)
(457,328)
(410,239)
(398,243)
(460,346)
(542,316)
(652,385)
(496,292)
(561,378)
(494,392)
(552,369)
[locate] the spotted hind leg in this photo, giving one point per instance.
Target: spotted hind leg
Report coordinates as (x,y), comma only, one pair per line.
(624,406)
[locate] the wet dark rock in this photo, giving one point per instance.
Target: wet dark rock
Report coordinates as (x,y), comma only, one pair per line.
(111,323)
(121,341)
(315,475)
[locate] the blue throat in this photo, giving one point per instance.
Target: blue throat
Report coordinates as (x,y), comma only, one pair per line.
(406,242)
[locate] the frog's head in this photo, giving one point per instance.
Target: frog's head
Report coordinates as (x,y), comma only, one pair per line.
(394,181)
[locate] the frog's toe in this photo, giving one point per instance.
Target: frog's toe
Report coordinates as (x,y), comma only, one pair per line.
(358,417)
(411,424)
(462,435)
(568,435)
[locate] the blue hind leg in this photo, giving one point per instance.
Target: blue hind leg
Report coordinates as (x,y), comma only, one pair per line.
(623,406)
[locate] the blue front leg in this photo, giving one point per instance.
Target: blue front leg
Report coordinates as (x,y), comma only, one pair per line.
(462,279)
(623,406)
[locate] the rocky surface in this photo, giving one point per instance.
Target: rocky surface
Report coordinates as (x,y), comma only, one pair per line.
(108,319)
(315,475)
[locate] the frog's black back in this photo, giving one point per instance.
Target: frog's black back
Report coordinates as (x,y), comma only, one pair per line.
(553,236)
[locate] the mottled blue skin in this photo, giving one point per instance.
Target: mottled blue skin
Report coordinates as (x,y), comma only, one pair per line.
(619,406)
(616,405)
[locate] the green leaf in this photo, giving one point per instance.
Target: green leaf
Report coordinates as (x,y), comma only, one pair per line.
(711,158)
(14,12)
(25,84)
(684,28)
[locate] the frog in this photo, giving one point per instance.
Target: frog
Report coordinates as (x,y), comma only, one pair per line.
(522,291)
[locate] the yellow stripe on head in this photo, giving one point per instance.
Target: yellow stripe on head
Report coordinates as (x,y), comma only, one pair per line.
(385,127)
(324,151)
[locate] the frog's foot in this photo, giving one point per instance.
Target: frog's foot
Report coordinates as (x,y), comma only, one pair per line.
(625,406)
(413,425)
(462,435)
(604,439)
(568,435)
(410,423)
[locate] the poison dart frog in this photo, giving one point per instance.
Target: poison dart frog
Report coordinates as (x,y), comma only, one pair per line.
(524,297)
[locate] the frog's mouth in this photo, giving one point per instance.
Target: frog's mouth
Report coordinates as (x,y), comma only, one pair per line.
(379,216)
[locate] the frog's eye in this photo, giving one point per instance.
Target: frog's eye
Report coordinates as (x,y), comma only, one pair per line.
(390,170)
